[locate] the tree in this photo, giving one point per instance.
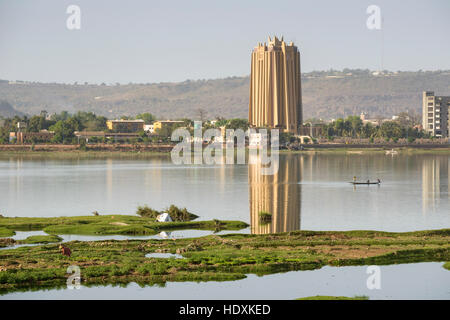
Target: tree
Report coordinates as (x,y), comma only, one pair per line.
(147,117)
(238,124)
(64,115)
(221,122)
(391,130)
(202,114)
(368,130)
(356,125)
(36,124)
(64,130)
(339,127)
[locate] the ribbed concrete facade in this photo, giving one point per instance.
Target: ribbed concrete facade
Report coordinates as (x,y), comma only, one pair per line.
(275,86)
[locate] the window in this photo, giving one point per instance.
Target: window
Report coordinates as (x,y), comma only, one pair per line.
(430,108)
(430,115)
(430,126)
(430,103)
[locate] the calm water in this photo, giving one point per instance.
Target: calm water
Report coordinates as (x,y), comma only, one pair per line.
(406,281)
(309,192)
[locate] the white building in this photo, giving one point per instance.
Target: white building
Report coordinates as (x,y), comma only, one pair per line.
(149,128)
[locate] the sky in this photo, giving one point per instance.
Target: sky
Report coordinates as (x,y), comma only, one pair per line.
(163,41)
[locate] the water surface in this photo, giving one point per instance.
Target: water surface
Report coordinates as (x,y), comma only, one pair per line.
(407,281)
(309,192)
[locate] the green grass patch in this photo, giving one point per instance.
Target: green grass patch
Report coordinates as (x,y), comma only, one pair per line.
(265,217)
(110,225)
(175,213)
(210,258)
(5,232)
(447,265)
(40,239)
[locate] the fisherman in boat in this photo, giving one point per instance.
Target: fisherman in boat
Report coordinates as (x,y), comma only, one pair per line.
(368,181)
(379,181)
(354,179)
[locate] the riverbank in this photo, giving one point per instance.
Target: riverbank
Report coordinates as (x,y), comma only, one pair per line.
(130,152)
(214,258)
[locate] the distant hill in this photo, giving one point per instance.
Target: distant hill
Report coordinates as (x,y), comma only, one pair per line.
(326,95)
(7,111)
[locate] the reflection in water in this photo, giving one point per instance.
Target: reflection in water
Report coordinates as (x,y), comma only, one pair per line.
(435,181)
(109,179)
(278,194)
(414,193)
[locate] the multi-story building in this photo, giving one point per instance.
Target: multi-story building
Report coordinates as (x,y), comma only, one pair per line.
(435,114)
(163,124)
(31,137)
(275,88)
(125,125)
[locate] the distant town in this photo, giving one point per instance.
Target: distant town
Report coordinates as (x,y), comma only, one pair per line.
(275,102)
(84,128)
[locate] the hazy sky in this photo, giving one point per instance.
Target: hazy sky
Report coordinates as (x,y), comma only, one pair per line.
(157,41)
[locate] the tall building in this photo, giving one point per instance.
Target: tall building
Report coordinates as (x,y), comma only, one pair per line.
(278,194)
(435,114)
(275,88)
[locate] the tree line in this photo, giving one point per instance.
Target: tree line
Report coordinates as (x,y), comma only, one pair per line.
(405,126)
(65,124)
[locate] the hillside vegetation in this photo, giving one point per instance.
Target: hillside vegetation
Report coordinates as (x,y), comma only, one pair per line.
(326,95)
(7,111)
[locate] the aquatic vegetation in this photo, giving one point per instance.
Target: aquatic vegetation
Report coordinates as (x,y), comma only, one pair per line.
(175,213)
(108,225)
(213,258)
(447,265)
(178,214)
(40,239)
(147,212)
(265,217)
(4,232)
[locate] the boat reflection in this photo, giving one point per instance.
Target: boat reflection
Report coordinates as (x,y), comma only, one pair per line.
(278,194)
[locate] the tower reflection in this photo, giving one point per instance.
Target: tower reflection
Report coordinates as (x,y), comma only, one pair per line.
(278,194)
(435,181)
